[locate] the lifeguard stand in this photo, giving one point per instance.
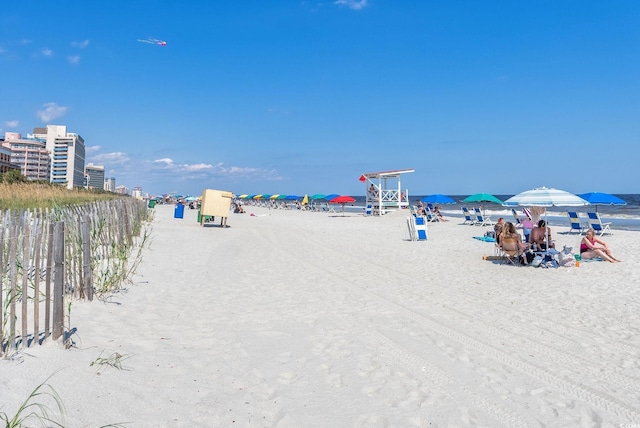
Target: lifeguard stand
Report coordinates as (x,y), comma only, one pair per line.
(384,190)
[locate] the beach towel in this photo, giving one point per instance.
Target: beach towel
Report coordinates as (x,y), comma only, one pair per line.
(485,238)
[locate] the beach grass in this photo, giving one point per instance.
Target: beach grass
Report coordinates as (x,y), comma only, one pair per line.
(41,195)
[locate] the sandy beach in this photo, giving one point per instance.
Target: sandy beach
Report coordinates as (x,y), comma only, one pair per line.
(302,319)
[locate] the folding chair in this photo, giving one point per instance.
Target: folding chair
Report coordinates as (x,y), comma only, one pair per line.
(368,210)
(482,220)
(597,225)
(467,216)
(574,220)
(511,251)
(417,228)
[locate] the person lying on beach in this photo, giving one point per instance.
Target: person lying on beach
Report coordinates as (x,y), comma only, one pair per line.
(537,236)
(592,247)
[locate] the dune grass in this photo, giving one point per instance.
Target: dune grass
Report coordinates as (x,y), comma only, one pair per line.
(33,195)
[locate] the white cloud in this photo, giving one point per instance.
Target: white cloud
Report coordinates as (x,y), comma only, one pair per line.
(73,59)
(197,167)
(11,123)
(352,4)
(92,149)
(51,111)
(81,44)
(111,158)
(2,50)
(46,52)
(166,161)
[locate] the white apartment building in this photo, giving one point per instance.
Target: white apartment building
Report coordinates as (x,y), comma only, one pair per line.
(95,176)
(30,154)
(110,184)
(67,155)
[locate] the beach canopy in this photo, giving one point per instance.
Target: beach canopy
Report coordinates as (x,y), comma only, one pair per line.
(482,197)
(545,197)
(598,198)
(438,199)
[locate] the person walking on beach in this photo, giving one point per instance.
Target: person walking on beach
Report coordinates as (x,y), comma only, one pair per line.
(592,247)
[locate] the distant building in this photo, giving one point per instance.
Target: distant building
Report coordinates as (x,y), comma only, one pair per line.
(67,155)
(95,176)
(30,154)
(123,190)
(5,161)
(137,193)
(110,184)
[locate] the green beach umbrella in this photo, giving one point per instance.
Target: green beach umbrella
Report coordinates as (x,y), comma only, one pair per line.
(482,197)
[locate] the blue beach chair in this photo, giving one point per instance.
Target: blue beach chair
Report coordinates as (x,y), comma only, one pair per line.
(467,216)
(597,225)
(575,222)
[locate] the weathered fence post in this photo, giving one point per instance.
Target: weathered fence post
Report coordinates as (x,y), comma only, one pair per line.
(36,285)
(13,269)
(86,256)
(47,283)
(26,237)
(58,280)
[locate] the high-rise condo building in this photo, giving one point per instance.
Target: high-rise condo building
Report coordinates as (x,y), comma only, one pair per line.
(95,176)
(30,154)
(67,155)
(110,184)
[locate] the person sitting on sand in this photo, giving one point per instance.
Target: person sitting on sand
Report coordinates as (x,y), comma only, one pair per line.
(509,231)
(592,247)
(436,211)
(238,209)
(497,229)
(537,236)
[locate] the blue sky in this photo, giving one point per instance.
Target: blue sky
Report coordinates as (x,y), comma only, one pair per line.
(299,97)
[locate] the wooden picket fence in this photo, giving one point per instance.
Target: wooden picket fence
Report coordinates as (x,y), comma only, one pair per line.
(49,257)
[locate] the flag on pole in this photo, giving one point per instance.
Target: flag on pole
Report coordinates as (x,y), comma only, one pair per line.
(362,178)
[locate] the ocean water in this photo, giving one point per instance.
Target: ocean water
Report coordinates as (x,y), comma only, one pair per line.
(623,217)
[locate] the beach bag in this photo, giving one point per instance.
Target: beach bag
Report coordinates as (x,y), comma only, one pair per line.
(490,234)
(537,261)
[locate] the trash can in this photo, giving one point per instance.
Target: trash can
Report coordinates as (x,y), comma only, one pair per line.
(152,203)
(178,212)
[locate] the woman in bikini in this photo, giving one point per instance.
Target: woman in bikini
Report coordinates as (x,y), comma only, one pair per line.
(592,247)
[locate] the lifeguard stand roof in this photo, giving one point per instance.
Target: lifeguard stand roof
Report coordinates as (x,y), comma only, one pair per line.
(387,174)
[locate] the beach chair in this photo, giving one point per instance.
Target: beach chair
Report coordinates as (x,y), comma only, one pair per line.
(417,228)
(482,220)
(574,220)
(597,225)
(467,216)
(510,250)
(368,210)
(515,216)
(431,216)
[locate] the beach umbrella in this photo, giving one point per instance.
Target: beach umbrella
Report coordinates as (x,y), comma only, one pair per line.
(438,199)
(291,197)
(281,197)
(331,196)
(190,198)
(598,198)
(257,196)
(545,197)
(243,196)
(317,196)
(482,197)
(305,200)
(342,200)
(274,196)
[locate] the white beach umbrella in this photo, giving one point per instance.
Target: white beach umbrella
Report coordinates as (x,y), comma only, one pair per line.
(545,197)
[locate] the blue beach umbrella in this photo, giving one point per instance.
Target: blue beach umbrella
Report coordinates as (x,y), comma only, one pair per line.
(291,197)
(331,196)
(598,198)
(438,199)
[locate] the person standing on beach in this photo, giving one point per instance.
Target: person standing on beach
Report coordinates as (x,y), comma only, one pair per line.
(592,247)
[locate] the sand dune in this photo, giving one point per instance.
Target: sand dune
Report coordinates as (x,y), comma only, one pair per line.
(299,319)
